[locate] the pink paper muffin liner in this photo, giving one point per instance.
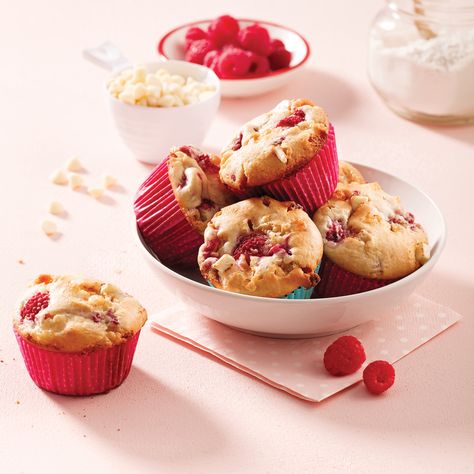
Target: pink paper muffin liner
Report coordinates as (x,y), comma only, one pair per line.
(335,281)
(312,185)
(78,373)
(162,222)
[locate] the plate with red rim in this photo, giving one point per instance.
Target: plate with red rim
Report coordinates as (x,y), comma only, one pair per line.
(287,318)
(171,46)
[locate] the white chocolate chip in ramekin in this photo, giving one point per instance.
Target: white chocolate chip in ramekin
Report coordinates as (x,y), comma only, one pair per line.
(73,164)
(281,155)
(75,181)
(59,177)
(95,191)
(49,228)
(56,208)
(109,181)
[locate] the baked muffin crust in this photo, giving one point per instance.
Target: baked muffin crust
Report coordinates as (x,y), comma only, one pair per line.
(261,247)
(274,145)
(194,177)
(349,174)
(81,314)
(367,232)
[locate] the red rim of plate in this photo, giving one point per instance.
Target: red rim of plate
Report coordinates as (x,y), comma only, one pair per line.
(257,76)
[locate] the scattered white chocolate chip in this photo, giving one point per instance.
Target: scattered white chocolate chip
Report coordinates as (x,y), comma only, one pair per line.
(224,263)
(281,155)
(158,89)
(95,191)
(59,177)
(49,227)
(73,164)
(55,208)
(109,181)
(75,181)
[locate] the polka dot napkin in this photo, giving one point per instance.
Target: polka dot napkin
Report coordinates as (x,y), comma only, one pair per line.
(295,365)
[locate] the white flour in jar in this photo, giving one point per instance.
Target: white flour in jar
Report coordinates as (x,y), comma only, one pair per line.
(429,76)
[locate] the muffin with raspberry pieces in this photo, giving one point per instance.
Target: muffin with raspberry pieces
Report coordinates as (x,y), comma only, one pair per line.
(262,247)
(287,153)
(369,240)
(77,335)
(175,203)
(349,174)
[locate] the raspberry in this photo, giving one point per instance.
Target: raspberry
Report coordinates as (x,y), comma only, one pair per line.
(276,44)
(234,62)
(197,51)
(259,65)
(34,305)
(344,356)
(294,119)
(223,30)
(279,59)
(194,34)
(251,245)
(337,231)
(211,60)
(379,376)
(255,38)
(237,143)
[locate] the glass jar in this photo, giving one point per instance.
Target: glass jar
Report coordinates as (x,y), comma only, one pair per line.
(421,59)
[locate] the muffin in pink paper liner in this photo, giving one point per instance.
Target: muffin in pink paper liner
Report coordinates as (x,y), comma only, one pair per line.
(287,153)
(369,240)
(175,203)
(77,336)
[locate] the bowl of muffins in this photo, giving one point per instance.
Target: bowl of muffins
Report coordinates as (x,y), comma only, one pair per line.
(278,237)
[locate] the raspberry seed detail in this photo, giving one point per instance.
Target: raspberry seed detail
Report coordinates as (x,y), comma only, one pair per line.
(34,305)
(379,376)
(344,356)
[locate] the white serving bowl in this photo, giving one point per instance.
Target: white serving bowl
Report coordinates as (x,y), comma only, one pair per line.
(171,46)
(316,317)
(150,132)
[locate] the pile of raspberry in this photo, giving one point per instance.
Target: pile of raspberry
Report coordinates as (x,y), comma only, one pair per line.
(233,52)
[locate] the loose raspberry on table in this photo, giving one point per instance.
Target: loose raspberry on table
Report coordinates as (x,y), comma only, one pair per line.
(223,30)
(194,34)
(34,305)
(379,376)
(294,119)
(198,50)
(255,38)
(279,59)
(344,356)
(234,62)
(259,64)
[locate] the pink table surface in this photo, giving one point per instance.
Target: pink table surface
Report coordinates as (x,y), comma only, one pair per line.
(180,411)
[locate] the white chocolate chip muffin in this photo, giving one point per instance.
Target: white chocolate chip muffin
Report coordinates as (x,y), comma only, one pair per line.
(175,203)
(368,234)
(77,314)
(261,247)
(77,335)
(349,174)
(288,152)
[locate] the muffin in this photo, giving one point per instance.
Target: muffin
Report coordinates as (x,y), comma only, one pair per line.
(262,247)
(287,153)
(369,240)
(175,203)
(349,174)
(77,336)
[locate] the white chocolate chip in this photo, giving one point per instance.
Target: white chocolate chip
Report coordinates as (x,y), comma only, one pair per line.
(49,227)
(55,208)
(95,192)
(422,253)
(281,155)
(59,177)
(73,164)
(109,181)
(75,181)
(224,263)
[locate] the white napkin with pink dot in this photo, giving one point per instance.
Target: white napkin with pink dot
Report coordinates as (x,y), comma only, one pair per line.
(296,365)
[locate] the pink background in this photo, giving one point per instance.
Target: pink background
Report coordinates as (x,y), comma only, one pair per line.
(180,411)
